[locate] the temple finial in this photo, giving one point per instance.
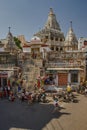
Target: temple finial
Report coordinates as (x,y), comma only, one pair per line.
(9,28)
(71,24)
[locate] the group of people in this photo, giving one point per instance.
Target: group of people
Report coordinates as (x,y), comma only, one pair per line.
(33,96)
(6,92)
(82,88)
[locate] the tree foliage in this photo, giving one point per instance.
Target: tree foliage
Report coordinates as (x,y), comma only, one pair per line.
(17,42)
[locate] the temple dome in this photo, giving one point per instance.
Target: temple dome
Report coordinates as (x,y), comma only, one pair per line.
(35,39)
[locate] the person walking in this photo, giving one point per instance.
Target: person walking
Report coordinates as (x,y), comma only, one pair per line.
(69,88)
(56,104)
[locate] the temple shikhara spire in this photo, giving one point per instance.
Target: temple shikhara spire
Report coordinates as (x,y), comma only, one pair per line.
(51,21)
(51,33)
(71,41)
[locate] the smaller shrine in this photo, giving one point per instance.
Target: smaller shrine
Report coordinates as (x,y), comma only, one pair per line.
(36,48)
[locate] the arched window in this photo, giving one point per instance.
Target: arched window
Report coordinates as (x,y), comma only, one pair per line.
(61,39)
(52,48)
(46,37)
(56,39)
(57,48)
(51,38)
(61,48)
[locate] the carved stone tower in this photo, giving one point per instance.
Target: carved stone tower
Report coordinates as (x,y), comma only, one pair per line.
(71,42)
(10,44)
(51,33)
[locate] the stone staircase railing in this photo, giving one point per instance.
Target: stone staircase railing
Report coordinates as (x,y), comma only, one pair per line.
(33,73)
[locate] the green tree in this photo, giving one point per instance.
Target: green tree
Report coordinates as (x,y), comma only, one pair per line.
(17,42)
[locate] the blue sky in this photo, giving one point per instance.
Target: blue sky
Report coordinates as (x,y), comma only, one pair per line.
(27,17)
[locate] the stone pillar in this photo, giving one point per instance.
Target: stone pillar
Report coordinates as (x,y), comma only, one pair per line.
(69,77)
(78,77)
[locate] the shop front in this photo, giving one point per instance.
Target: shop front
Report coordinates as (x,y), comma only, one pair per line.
(3,78)
(62,79)
(63,76)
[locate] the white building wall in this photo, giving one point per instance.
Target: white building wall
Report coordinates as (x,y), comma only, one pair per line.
(41,49)
(56,79)
(81,45)
(26,49)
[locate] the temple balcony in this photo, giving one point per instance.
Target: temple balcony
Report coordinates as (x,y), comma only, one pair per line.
(64,65)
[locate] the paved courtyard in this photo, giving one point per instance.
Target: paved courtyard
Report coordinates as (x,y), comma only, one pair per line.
(21,116)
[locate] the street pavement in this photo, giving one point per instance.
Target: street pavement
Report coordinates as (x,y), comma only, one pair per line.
(39,116)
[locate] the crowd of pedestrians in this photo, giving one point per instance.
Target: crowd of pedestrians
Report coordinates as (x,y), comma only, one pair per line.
(32,97)
(23,95)
(39,95)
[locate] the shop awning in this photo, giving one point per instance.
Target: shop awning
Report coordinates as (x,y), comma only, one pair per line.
(64,69)
(9,69)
